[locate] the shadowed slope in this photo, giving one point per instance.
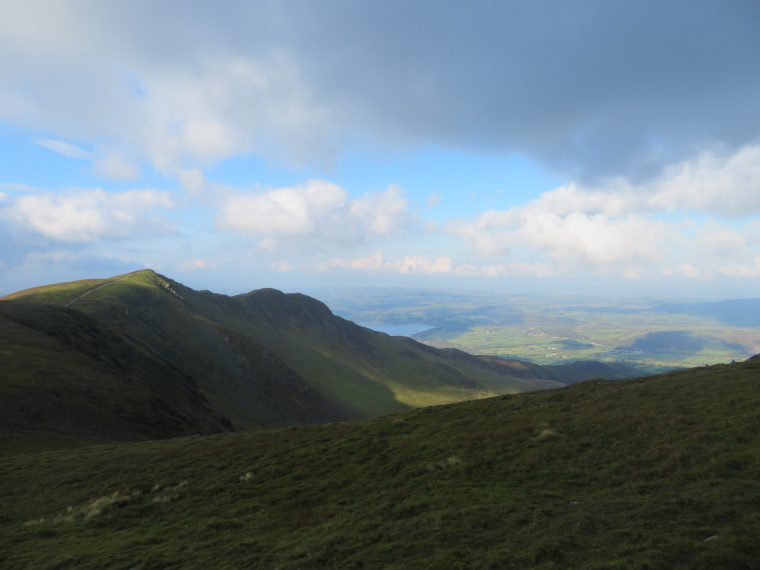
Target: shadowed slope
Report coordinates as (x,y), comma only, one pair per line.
(241,379)
(63,372)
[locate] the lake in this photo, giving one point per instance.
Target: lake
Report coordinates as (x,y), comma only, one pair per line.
(407,329)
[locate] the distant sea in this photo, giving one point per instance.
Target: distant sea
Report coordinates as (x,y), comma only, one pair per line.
(407,329)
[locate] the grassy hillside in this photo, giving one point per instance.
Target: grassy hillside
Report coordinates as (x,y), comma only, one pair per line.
(660,472)
(61,372)
(355,368)
(110,359)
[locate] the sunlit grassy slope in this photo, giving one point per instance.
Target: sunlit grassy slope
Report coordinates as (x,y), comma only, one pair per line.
(660,472)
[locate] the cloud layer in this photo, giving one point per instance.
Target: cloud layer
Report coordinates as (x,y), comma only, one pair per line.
(647,111)
(313,214)
(592,89)
(696,220)
(626,226)
(84,216)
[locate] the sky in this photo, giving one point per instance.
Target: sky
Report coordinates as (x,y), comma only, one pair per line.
(595,146)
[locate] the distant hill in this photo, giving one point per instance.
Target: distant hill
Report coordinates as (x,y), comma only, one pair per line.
(659,472)
(677,344)
(735,312)
(139,356)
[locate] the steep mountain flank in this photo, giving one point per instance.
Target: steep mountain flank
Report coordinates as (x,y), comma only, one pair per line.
(252,360)
(63,372)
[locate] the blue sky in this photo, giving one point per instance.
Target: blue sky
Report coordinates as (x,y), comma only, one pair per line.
(585,147)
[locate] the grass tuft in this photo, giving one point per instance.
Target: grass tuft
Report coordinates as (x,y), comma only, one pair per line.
(92,509)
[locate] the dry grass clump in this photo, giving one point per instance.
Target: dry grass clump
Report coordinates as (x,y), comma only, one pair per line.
(167,494)
(447,463)
(545,432)
(97,507)
(87,511)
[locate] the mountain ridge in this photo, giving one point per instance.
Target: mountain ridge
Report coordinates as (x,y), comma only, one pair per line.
(256,359)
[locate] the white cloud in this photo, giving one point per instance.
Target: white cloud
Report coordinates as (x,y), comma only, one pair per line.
(381,212)
(424,265)
(19,187)
(285,212)
(515,268)
(407,265)
(192,180)
(728,186)
(178,94)
(195,265)
(688,270)
(721,242)
(575,240)
(617,225)
(750,269)
(489,233)
(440,265)
(282,266)
(373,263)
(330,264)
(594,240)
(113,164)
(90,215)
(107,161)
(225,105)
(66,149)
(315,212)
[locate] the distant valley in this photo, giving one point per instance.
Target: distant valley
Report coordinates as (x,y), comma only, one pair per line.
(646,333)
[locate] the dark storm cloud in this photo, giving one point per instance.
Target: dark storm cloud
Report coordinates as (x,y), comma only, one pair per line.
(592,88)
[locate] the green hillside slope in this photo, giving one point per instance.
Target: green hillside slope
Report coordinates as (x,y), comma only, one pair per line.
(659,473)
(258,359)
(63,373)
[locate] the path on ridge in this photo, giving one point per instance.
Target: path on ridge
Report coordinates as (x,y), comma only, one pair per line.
(101,286)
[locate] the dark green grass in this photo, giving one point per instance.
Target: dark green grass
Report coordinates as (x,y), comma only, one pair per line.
(31,442)
(627,474)
(63,377)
